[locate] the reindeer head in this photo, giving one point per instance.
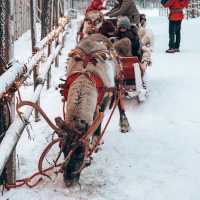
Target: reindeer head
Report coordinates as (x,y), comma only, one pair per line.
(89,51)
(92,22)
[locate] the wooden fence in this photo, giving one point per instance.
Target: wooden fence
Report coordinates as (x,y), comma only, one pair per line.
(19,73)
(16,18)
(79,5)
(21,17)
(22,9)
(193,9)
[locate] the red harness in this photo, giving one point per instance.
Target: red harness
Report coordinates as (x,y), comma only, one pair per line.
(87,58)
(95,80)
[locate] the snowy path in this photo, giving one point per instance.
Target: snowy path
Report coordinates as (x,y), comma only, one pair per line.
(160,158)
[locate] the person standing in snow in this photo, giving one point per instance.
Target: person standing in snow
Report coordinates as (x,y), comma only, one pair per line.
(175,19)
(126,8)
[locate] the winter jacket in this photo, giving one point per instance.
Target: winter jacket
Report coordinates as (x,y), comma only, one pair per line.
(176,9)
(95,5)
(127,8)
(134,38)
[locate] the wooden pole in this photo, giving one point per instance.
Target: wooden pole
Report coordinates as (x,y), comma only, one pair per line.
(56,15)
(33,11)
(6,52)
(46,19)
(49,50)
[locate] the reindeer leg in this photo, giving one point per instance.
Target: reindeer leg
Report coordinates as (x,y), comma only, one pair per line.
(71,175)
(95,138)
(124,124)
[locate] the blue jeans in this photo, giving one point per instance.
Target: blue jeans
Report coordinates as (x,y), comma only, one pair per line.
(174,34)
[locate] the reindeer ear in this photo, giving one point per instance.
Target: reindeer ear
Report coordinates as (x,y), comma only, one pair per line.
(71,53)
(75,54)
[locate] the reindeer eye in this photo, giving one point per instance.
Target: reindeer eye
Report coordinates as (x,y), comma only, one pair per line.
(89,21)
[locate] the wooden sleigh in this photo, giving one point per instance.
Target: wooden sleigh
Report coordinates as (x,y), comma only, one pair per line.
(133,72)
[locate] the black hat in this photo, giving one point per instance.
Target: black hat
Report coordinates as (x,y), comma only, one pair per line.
(107,27)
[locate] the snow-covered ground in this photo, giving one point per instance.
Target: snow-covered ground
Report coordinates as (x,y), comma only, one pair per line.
(159,158)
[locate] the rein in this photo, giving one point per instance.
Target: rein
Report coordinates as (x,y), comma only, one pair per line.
(42,172)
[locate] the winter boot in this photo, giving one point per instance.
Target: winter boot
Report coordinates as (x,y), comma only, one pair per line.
(177,50)
(170,50)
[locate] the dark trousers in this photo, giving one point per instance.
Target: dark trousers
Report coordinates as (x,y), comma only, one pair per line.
(174,34)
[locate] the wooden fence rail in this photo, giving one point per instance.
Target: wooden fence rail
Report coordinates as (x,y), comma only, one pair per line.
(15,130)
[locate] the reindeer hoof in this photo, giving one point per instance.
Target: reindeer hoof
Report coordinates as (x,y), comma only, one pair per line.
(71,182)
(124,129)
(124,124)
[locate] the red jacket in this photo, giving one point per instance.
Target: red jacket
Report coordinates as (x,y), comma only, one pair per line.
(95,5)
(176,9)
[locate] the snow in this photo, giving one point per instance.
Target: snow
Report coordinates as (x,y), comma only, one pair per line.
(159,158)
(9,77)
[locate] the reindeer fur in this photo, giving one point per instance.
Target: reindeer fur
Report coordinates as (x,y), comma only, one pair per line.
(123,47)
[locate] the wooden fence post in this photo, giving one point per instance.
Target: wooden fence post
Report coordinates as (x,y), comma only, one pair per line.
(56,16)
(33,15)
(46,22)
(6,52)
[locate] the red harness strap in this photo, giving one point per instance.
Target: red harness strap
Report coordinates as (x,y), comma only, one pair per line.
(96,80)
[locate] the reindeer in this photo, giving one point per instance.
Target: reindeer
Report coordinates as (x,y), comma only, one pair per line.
(89,73)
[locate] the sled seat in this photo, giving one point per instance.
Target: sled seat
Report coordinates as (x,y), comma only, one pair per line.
(133,78)
(128,68)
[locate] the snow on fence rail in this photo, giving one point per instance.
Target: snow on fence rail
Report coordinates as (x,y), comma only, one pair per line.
(10,76)
(15,131)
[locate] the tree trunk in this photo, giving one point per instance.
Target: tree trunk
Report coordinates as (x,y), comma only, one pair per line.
(46,17)
(33,16)
(6,54)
